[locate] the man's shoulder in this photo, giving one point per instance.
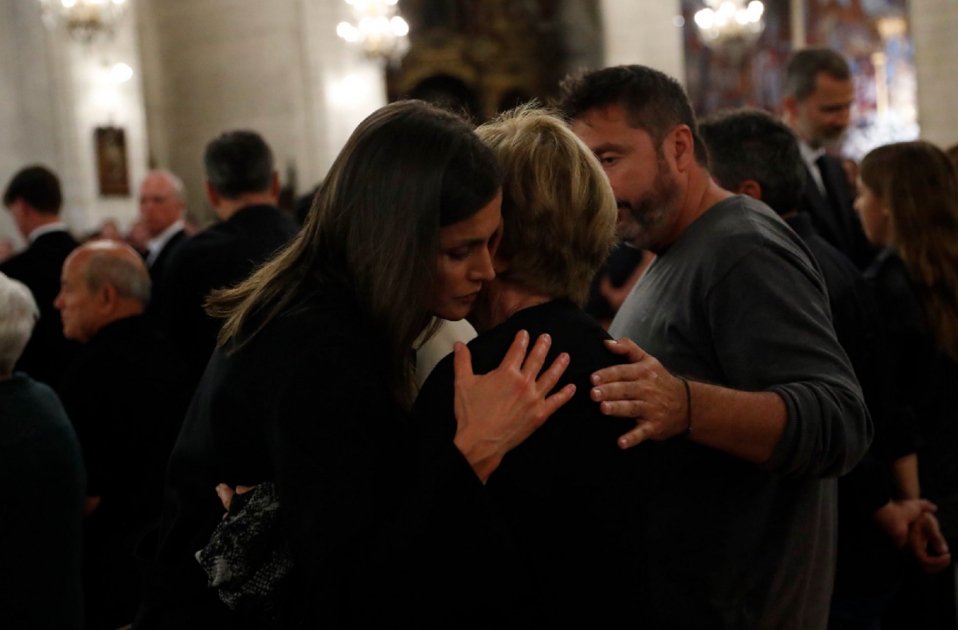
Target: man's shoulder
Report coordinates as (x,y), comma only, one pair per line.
(15,266)
(190,251)
(253,224)
(175,240)
(116,353)
(735,227)
(56,239)
(266,228)
(57,244)
(43,256)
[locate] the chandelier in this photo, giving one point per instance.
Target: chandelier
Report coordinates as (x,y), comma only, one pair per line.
(377,29)
(84,20)
(734,23)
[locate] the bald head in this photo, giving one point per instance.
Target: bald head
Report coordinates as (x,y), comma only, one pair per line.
(102,281)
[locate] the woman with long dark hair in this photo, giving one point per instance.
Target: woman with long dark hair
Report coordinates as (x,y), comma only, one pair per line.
(311,382)
(908,202)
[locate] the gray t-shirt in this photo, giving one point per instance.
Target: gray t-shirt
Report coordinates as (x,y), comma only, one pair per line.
(737,301)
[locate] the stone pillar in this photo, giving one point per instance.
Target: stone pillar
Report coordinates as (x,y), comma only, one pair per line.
(645,33)
(934,24)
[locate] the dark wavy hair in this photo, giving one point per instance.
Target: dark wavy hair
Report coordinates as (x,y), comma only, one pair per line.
(654,101)
(407,170)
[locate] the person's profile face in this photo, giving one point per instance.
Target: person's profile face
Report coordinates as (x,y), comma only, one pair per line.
(465,261)
(873,213)
(160,206)
(824,115)
(76,302)
(646,192)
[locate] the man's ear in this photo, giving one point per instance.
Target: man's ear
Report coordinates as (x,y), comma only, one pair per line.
(106,297)
(211,195)
(274,187)
(790,107)
(751,188)
(683,146)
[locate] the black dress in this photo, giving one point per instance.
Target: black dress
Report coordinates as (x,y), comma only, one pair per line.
(572,501)
(369,512)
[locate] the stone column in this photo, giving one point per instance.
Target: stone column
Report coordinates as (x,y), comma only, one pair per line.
(645,33)
(934,24)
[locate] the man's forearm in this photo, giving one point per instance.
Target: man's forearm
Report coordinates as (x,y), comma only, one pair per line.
(748,425)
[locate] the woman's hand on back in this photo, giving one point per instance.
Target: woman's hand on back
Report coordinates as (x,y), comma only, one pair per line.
(495,412)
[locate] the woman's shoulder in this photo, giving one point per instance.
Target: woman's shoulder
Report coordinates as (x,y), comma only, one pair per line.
(891,283)
(571,329)
(323,322)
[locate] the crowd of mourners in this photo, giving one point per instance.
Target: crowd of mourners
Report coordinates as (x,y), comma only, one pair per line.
(597,363)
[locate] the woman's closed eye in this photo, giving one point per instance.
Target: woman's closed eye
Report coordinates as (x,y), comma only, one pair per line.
(459,253)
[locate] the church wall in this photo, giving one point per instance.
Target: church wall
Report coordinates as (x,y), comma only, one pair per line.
(269,67)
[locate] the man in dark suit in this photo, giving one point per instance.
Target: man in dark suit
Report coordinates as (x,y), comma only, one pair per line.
(34,199)
(243,188)
(162,203)
(818,96)
(126,395)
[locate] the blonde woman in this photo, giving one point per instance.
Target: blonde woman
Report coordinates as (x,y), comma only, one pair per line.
(571,499)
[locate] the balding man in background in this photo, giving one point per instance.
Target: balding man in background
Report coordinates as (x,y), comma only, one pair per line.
(126,396)
(162,204)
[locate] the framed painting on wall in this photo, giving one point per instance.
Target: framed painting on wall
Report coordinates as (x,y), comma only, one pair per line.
(111,167)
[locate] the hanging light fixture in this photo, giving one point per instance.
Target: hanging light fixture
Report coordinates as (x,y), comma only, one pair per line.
(84,20)
(724,23)
(377,28)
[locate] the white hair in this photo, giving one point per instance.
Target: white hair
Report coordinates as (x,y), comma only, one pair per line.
(173,180)
(18,314)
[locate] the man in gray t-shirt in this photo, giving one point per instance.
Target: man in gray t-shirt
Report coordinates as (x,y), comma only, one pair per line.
(739,378)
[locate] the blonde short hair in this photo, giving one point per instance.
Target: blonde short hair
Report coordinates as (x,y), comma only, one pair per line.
(558,209)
